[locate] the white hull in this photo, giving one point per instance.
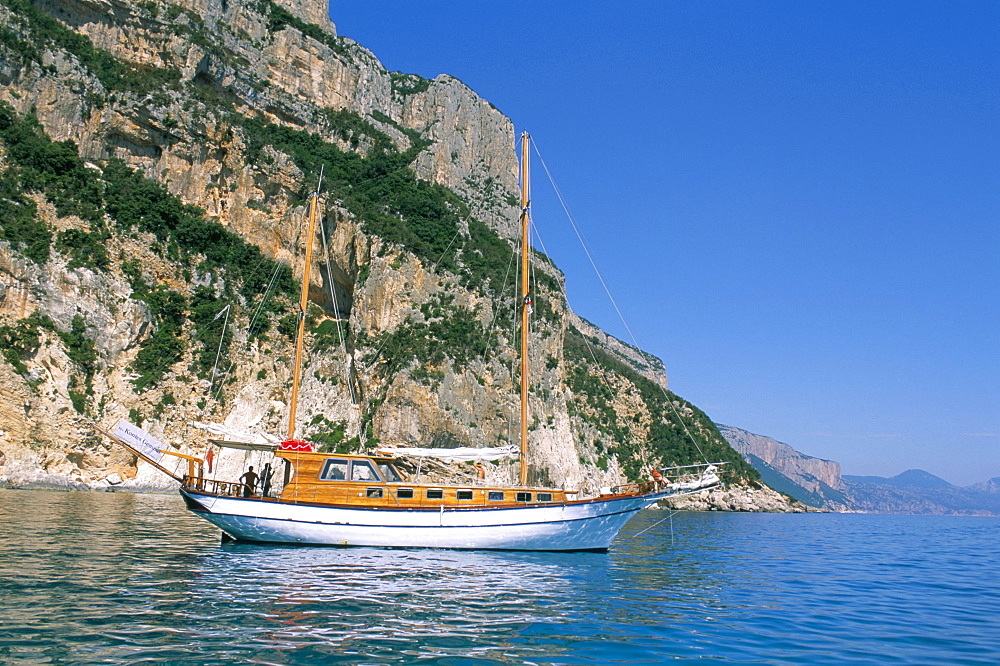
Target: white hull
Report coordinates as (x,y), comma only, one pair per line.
(589,525)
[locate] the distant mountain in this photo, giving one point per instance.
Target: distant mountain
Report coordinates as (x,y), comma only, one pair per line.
(819,483)
(911,478)
(990,487)
(920,492)
(812,481)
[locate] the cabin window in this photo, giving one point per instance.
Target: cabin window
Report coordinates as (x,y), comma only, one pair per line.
(544,497)
(363,470)
(389,473)
(404,493)
(373,492)
(524,497)
(495,496)
(463,494)
(335,469)
(435,493)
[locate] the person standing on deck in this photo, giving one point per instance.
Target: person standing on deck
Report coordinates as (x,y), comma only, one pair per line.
(249,480)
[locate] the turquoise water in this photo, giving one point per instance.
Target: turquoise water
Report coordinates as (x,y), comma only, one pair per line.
(116,577)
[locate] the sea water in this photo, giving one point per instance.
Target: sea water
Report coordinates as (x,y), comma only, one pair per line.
(89,577)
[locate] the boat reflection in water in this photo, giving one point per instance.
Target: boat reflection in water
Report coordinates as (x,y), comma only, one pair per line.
(335,602)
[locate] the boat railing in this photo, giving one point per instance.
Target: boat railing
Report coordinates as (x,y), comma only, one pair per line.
(217,487)
(679,478)
(630,489)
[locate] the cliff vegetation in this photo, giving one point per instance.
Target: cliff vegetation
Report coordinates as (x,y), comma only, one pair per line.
(155,164)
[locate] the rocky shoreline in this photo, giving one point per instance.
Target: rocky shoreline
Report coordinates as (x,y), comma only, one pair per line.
(26,472)
(742,498)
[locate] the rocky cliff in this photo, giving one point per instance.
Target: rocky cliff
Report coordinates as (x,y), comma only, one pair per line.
(156,163)
(819,483)
(814,481)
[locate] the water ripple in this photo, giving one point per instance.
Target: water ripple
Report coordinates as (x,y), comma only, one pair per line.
(99,578)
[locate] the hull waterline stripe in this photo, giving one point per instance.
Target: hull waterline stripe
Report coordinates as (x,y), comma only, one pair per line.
(464,527)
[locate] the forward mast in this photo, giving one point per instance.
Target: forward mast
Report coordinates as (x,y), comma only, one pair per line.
(303,304)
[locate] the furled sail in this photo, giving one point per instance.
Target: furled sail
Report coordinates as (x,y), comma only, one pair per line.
(460,454)
(709,477)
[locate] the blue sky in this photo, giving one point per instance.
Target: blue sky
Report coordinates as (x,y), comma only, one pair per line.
(795,204)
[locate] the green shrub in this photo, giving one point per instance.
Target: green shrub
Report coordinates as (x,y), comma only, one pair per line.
(45,31)
(289,325)
(589,366)
(330,436)
(209,329)
(278,18)
(20,341)
(86,250)
(407,84)
(19,224)
(79,401)
(327,335)
(79,348)
(166,345)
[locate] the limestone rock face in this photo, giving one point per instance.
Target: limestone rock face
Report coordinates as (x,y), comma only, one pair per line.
(810,473)
(175,90)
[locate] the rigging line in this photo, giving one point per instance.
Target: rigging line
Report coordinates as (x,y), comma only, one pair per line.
(497,305)
(263,299)
(250,327)
(329,275)
(254,317)
(253,322)
(583,243)
(378,351)
(222,338)
(166,364)
(458,232)
(669,517)
(336,308)
(604,377)
(515,318)
(534,291)
(270,285)
(593,356)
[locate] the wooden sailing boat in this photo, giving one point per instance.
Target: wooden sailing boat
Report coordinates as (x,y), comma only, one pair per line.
(364,500)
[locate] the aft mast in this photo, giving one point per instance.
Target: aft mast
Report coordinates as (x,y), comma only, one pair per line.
(525,305)
(303,304)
